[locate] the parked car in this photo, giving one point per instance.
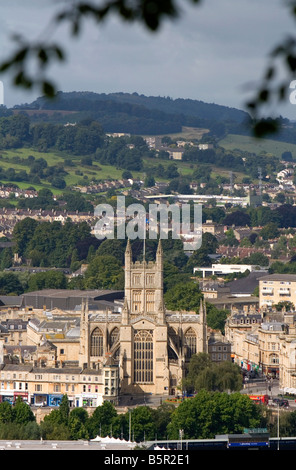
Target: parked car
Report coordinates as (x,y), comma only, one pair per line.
(281,402)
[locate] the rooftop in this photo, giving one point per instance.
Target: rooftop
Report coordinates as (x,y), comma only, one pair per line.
(279,277)
(85,294)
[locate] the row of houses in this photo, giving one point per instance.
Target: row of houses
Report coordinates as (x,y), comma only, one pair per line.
(265,339)
(7,191)
(40,341)
(39,362)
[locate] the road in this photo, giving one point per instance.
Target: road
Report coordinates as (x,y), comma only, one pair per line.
(271,388)
(252,387)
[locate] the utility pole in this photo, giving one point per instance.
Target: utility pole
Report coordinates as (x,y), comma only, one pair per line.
(278,428)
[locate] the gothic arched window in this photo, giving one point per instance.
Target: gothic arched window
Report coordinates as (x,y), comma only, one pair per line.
(143,356)
(114,336)
(96,343)
(190,342)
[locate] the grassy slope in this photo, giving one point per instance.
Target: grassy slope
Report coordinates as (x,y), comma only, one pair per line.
(105,172)
(258,146)
(97,171)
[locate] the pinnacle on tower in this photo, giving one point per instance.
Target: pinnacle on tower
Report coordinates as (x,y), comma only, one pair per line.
(128,247)
(159,248)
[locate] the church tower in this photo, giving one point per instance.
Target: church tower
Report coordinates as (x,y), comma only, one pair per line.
(143,332)
(143,286)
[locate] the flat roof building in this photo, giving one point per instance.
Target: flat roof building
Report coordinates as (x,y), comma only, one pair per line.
(66,299)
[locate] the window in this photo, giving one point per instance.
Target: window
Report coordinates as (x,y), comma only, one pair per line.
(150,279)
(96,344)
(136,279)
(114,337)
(190,342)
(150,301)
(273,359)
(143,356)
(136,305)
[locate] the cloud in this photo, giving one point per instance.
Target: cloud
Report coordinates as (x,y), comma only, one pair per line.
(210,53)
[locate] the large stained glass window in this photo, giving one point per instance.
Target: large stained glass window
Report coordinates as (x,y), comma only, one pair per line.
(143,356)
(97,343)
(190,342)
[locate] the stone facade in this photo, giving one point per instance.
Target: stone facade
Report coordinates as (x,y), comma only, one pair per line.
(150,345)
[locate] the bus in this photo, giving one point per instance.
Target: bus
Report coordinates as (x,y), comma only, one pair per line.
(260,399)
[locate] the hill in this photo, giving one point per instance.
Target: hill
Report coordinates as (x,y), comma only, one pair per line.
(137,114)
(259,147)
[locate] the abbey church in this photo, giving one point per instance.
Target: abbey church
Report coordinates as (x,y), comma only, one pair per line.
(150,344)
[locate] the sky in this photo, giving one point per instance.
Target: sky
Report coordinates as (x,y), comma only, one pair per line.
(215,51)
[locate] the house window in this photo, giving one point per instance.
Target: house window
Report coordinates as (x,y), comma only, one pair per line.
(143,356)
(273,359)
(96,343)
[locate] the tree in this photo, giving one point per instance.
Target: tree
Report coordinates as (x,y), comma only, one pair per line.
(64,409)
(143,425)
(212,413)
(221,377)
(58,182)
(22,233)
(161,417)
(203,374)
(237,218)
(22,413)
(6,415)
(10,284)
(183,297)
(47,280)
(197,364)
(113,247)
(52,428)
(216,318)
(269,231)
(100,423)
(104,272)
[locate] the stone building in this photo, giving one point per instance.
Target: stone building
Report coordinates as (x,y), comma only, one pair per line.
(150,344)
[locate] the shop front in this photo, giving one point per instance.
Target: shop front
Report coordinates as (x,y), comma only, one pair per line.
(90,400)
(54,400)
(24,396)
(40,399)
(9,397)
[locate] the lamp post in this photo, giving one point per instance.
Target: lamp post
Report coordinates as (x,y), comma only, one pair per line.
(129,427)
(278,428)
(181,435)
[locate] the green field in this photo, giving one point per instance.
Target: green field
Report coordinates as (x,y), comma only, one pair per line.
(101,172)
(187,133)
(96,171)
(257,146)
